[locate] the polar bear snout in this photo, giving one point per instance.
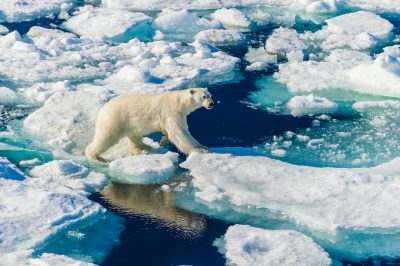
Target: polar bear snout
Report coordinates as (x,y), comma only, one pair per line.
(209,104)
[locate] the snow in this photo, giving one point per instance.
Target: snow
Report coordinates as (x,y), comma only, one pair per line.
(8,96)
(278,153)
(132,74)
(283,41)
(310,105)
(231,18)
(9,170)
(324,199)
(40,92)
(108,24)
(37,211)
(46,259)
(367,105)
(16,10)
(360,22)
(381,76)
(324,6)
(143,169)
(3,30)
(245,245)
(220,36)
(182,22)
(60,174)
(31,215)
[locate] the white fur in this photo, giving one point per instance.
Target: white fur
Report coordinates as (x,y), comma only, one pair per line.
(136,115)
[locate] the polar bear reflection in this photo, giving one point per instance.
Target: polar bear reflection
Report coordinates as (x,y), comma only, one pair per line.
(148,201)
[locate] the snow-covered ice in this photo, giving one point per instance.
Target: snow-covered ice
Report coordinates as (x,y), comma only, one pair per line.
(59,175)
(182,24)
(331,201)
(46,259)
(16,10)
(245,245)
(113,25)
(8,96)
(310,105)
(40,92)
(231,18)
(143,169)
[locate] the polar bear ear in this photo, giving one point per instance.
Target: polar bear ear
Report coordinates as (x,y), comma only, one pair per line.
(192,91)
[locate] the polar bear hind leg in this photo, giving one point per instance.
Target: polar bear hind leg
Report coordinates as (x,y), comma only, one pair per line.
(100,144)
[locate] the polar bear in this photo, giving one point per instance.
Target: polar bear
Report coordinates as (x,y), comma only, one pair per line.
(136,115)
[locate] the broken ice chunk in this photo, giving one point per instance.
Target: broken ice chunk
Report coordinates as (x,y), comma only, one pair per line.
(114,25)
(245,245)
(143,169)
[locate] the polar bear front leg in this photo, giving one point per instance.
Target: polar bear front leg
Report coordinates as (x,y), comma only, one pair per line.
(136,146)
(164,140)
(184,141)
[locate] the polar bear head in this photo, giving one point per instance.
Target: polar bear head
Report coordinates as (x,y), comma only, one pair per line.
(201,97)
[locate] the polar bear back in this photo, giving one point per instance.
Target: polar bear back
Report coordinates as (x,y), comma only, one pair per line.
(139,114)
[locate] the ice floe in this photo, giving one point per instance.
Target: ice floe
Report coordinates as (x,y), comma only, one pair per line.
(182,24)
(310,104)
(3,30)
(326,200)
(59,175)
(109,24)
(8,96)
(245,245)
(46,259)
(231,18)
(40,92)
(143,169)
(38,210)
(51,211)
(15,10)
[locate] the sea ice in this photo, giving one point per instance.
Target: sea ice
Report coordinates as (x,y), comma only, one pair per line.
(181,24)
(40,92)
(231,18)
(9,170)
(9,97)
(245,245)
(3,30)
(31,215)
(46,259)
(16,10)
(108,24)
(310,105)
(143,169)
(60,175)
(326,200)
(220,36)
(360,22)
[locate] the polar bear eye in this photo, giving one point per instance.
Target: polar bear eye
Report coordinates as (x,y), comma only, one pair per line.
(205,97)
